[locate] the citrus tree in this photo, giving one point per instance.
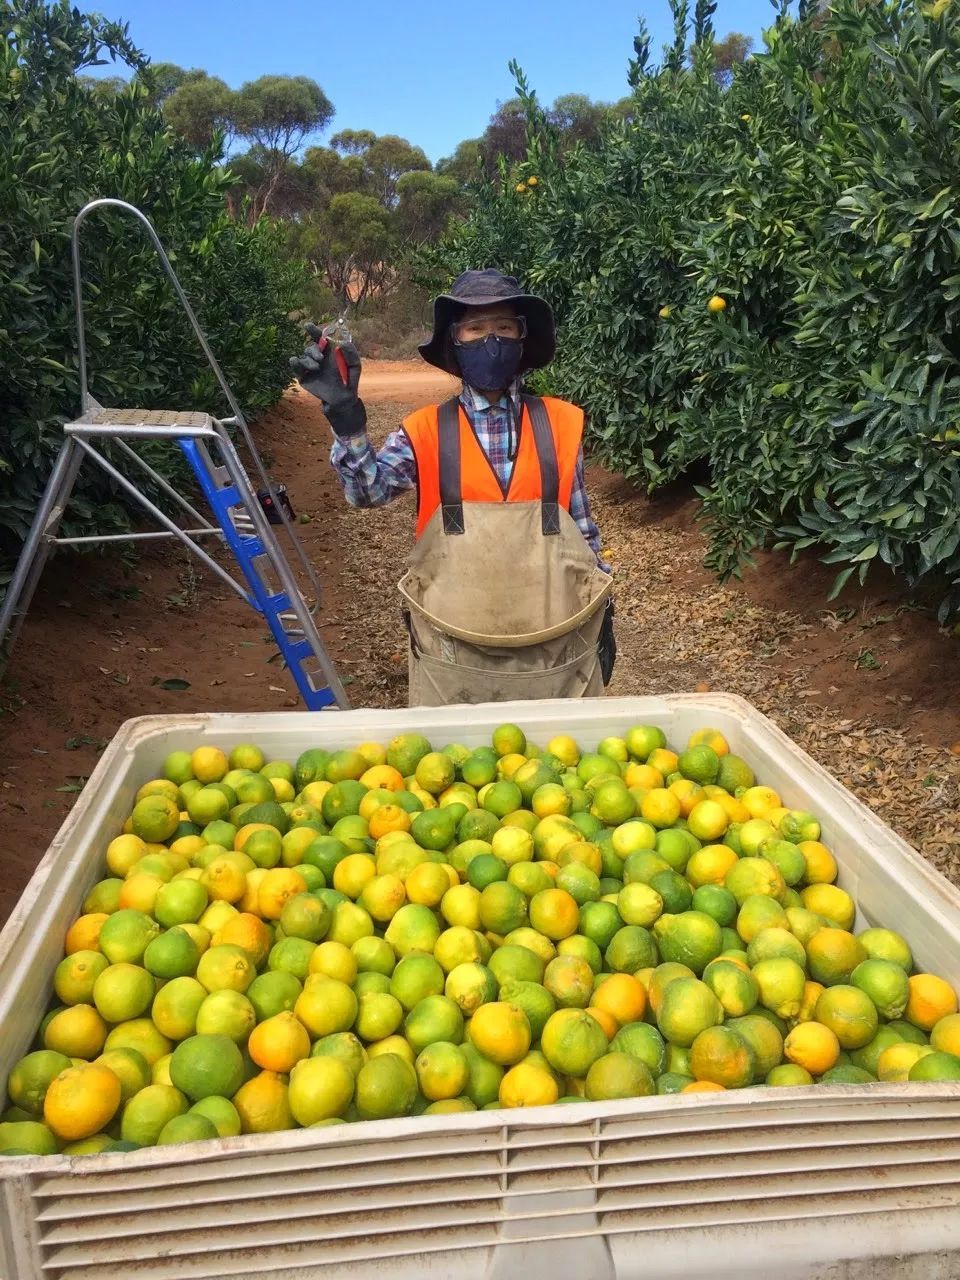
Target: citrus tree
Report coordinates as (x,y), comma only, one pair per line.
(756,281)
(62,144)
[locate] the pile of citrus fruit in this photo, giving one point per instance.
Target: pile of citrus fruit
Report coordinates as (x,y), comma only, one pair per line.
(390,931)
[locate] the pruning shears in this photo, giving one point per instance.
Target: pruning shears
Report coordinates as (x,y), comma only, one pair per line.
(336,333)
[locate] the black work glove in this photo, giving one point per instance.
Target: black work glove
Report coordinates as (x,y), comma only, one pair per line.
(607,644)
(318,371)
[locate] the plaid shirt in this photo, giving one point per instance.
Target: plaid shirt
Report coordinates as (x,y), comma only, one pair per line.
(371,479)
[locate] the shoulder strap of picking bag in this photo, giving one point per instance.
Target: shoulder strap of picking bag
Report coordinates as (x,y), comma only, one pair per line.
(451,488)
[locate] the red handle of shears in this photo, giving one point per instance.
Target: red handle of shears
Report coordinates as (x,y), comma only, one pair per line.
(340,359)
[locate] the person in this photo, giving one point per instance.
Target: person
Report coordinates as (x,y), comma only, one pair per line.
(506,594)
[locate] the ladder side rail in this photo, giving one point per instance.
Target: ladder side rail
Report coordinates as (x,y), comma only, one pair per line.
(36,547)
(279,564)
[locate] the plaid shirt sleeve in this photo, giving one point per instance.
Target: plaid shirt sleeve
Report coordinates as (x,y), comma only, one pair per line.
(373,478)
(580,511)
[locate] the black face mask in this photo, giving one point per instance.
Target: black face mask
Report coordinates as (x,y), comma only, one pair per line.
(491,364)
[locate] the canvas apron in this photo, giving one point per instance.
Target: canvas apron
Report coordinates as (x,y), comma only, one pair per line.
(502,600)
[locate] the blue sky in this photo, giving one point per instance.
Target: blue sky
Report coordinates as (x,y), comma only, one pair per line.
(429,70)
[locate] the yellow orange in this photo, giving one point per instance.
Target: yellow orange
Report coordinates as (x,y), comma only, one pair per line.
(248,931)
(712,738)
(690,794)
(622,996)
(643,776)
(84,933)
(388,818)
(821,864)
(710,865)
(812,1046)
(277,887)
(279,1043)
(81,1100)
(760,801)
(607,1021)
(382,777)
(930,1000)
(263,1104)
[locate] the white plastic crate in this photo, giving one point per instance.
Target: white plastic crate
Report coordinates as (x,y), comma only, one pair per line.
(808,1184)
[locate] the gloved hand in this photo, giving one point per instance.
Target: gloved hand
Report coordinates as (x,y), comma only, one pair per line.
(318,372)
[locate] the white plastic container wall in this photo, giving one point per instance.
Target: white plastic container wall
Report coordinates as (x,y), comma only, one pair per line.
(846,1181)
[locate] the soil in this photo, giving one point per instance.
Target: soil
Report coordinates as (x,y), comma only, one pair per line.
(868,685)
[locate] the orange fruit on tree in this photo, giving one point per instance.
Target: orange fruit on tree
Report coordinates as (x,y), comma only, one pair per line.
(279,1043)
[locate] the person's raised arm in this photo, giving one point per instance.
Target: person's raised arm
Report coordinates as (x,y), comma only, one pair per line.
(368,478)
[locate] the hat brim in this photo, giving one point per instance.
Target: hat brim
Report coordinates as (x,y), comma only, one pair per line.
(539,345)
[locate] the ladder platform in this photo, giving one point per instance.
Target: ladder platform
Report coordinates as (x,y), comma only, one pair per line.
(135,419)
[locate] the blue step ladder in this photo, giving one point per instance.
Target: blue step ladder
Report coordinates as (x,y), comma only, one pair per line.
(240,523)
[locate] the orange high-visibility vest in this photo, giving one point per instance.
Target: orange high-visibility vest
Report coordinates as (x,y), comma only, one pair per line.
(478,480)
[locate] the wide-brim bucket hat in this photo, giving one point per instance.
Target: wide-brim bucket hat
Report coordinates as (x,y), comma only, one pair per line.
(486,288)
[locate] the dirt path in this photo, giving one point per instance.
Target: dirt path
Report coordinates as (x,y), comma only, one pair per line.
(869,686)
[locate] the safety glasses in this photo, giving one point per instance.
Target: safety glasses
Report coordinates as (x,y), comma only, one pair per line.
(472,332)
